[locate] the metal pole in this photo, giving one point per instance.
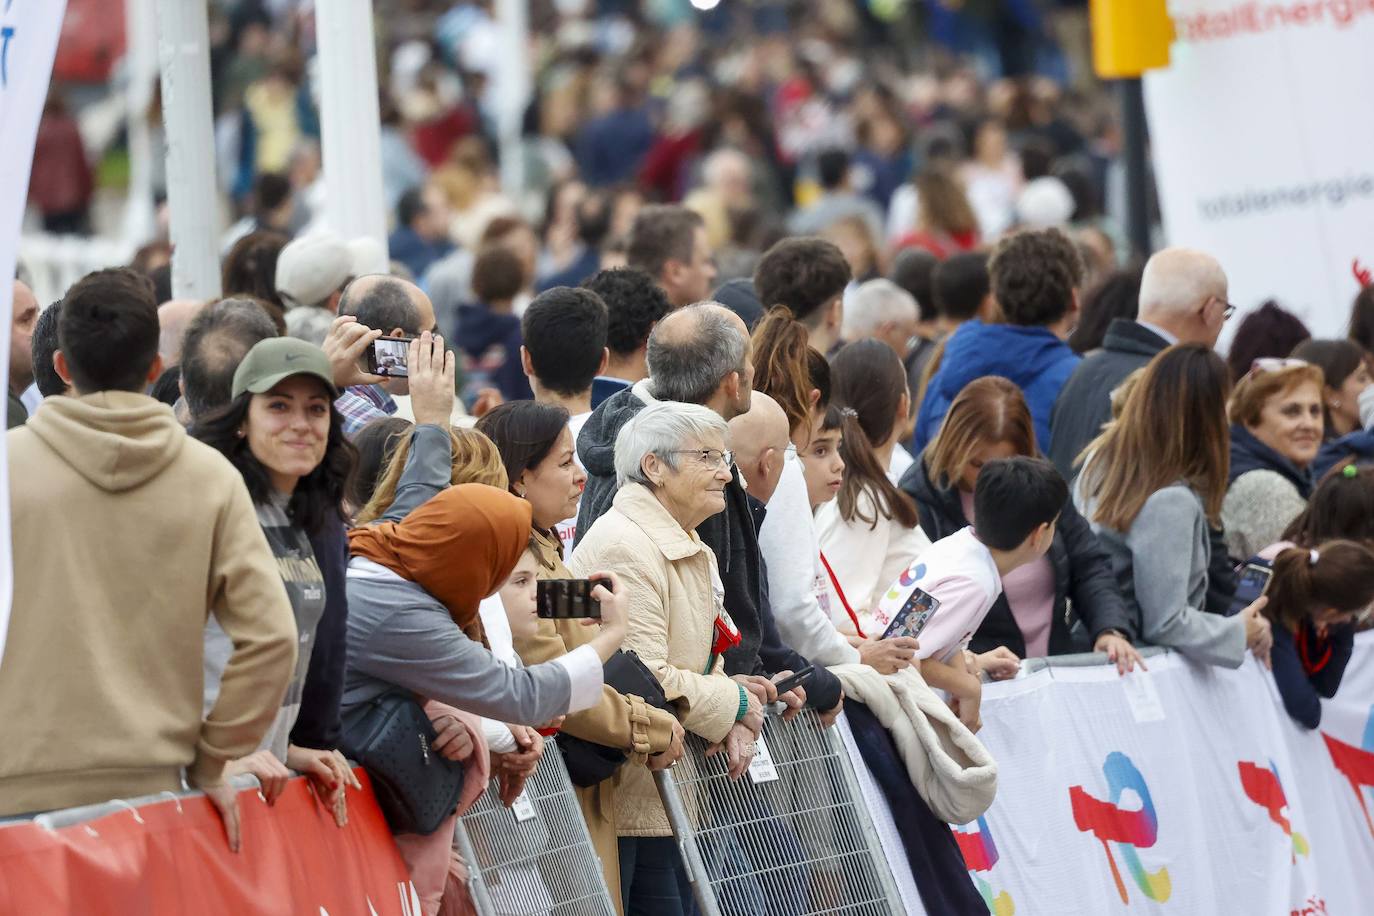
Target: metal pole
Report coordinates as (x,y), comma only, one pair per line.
(140,25)
(692,860)
(512,92)
(183,50)
(1137,172)
(350,124)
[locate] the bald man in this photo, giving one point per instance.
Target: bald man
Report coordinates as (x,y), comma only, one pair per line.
(760,439)
(700,355)
(397,308)
(172,319)
(1182,300)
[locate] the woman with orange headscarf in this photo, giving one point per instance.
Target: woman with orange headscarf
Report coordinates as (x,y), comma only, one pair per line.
(413,590)
(414,585)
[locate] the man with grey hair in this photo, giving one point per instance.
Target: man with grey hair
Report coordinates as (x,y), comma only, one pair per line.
(1182,300)
(882,310)
(701,355)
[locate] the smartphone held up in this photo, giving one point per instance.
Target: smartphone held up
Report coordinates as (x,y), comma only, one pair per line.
(387,357)
(564,599)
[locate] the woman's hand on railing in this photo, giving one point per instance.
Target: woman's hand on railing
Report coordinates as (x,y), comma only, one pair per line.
(271,774)
(1119,652)
(330,774)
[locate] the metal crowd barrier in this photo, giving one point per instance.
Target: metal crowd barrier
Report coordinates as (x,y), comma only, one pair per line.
(1081,660)
(536,857)
(66,817)
(790,837)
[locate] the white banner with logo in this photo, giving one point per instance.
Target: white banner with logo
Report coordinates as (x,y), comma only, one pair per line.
(1184,790)
(28,41)
(1260,135)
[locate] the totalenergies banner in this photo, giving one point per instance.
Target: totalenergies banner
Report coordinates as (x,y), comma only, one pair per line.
(1260,134)
(171,858)
(1182,790)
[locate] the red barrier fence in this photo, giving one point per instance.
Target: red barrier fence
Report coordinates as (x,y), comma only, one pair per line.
(171,857)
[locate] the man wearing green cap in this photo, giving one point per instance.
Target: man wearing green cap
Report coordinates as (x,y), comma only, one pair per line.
(133,534)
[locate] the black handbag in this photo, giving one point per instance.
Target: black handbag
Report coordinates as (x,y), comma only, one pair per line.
(393,739)
(589,763)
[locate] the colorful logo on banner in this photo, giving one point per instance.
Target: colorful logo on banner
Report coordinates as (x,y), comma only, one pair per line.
(1262,786)
(1129,830)
(1356,764)
(980,854)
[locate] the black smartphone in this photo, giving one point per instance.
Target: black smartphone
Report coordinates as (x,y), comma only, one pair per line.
(562,599)
(1250,585)
(793,681)
(387,356)
(915,614)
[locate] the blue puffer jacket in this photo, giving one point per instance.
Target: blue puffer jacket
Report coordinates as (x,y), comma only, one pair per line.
(1032,358)
(1358,445)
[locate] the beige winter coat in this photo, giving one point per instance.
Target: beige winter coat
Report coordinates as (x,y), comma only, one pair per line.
(674,599)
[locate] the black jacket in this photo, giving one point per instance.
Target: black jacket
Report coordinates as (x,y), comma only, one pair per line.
(731,535)
(317,723)
(1084,585)
(1085,404)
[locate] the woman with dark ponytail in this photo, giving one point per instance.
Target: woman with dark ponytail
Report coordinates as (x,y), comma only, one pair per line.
(790,371)
(870,533)
(1315,598)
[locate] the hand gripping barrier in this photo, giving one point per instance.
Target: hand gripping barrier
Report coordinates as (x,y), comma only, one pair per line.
(535,857)
(790,837)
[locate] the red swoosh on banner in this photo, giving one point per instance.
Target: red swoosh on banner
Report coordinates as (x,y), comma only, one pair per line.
(974,851)
(1108,822)
(1357,765)
(1262,787)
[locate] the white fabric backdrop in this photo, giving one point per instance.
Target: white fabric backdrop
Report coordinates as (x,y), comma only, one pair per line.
(1260,136)
(1189,739)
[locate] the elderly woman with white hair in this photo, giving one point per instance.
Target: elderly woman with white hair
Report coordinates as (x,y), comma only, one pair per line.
(672,467)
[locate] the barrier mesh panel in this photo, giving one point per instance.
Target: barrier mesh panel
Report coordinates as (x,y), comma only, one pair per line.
(790,837)
(536,858)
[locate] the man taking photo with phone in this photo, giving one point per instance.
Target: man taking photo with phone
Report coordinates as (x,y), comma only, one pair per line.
(396,308)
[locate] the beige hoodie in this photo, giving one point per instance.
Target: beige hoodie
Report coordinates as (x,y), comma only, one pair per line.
(126,535)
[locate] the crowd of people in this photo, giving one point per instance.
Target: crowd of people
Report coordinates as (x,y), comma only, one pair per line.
(745,505)
(790,357)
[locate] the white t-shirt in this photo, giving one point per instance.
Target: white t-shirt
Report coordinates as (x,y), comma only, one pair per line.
(960,573)
(901,460)
(567,529)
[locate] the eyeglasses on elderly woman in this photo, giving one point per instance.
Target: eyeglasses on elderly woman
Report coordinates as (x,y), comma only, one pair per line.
(710,458)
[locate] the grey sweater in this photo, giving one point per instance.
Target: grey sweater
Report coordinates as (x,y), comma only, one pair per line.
(400,636)
(1168,537)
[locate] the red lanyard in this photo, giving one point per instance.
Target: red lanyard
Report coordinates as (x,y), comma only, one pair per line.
(840,592)
(1300,638)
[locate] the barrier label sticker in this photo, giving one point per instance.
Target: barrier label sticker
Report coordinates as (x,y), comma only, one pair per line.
(761,768)
(523,808)
(1143,697)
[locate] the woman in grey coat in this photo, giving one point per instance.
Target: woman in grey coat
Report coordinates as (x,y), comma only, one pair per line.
(1154,480)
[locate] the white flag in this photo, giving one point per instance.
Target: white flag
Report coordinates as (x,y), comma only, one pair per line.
(28,41)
